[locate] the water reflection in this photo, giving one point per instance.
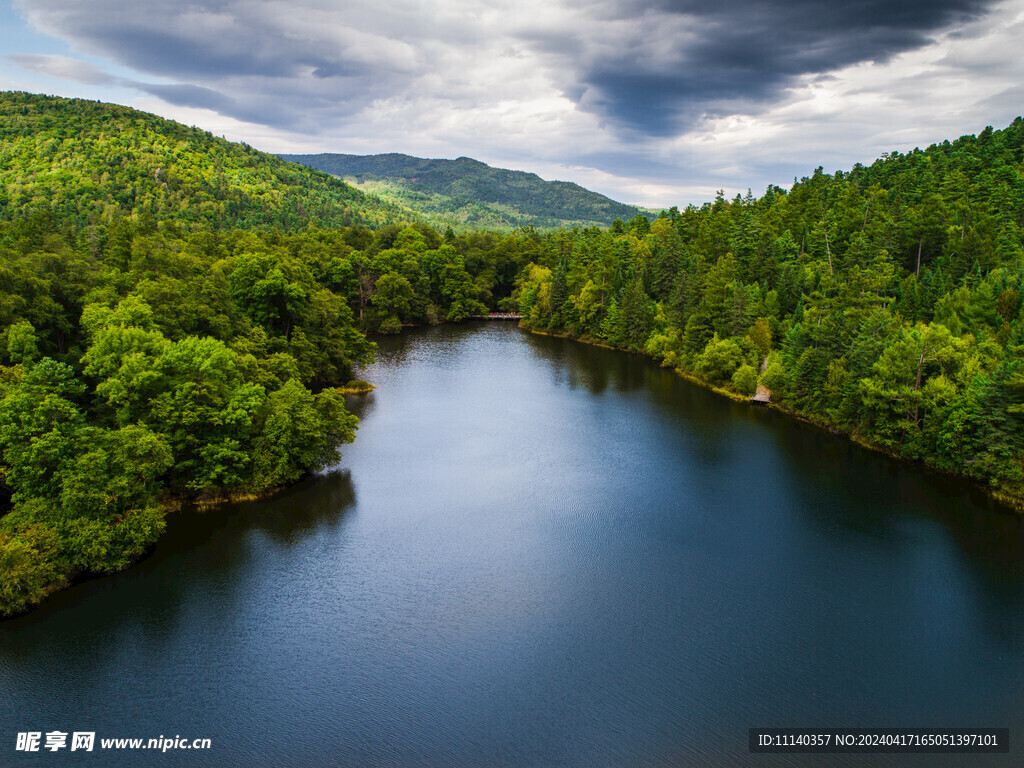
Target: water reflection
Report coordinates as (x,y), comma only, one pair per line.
(543,553)
(203,551)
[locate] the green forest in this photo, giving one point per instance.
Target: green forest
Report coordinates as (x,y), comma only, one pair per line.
(883,302)
(87,162)
(178,312)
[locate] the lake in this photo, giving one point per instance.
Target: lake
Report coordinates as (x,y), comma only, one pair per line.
(541,553)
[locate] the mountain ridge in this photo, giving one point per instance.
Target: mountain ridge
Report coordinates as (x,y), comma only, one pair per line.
(470,193)
(88,161)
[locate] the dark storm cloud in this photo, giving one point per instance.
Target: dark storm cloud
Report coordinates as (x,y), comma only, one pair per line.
(208,38)
(174,54)
(278,63)
(667,63)
(179,94)
(188,96)
(651,67)
(197,97)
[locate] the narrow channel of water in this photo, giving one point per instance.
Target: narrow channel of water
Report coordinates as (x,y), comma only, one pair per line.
(539,553)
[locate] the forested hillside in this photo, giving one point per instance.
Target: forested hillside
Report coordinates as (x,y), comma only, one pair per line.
(153,350)
(884,302)
(467,193)
(159,343)
(88,163)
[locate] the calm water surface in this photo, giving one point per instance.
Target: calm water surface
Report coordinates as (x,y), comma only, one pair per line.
(539,553)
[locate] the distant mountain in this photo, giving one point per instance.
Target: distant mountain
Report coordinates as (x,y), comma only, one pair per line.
(468,193)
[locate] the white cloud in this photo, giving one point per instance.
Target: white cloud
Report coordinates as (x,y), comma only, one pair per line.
(955,85)
(62,68)
(526,84)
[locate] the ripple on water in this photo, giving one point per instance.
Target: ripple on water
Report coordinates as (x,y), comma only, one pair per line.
(539,553)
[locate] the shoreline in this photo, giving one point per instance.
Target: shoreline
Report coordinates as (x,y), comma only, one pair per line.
(170,504)
(1013,504)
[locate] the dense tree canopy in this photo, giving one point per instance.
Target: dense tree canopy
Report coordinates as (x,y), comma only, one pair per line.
(468,194)
(89,162)
(885,302)
(143,363)
(176,314)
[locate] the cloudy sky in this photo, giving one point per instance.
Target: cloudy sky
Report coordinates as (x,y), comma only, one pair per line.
(657,103)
